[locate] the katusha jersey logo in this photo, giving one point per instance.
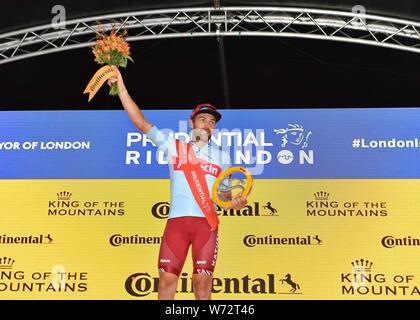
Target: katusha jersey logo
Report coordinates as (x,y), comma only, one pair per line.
(160,210)
(207,167)
(367,280)
(296,138)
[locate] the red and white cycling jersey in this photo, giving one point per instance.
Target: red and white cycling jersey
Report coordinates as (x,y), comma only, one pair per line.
(213,161)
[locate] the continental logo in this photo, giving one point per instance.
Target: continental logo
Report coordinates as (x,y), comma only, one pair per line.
(392,242)
(270,240)
(117,240)
(143,284)
(160,210)
(367,280)
(26,239)
(324,205)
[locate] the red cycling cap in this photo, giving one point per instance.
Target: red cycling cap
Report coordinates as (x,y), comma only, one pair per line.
(207,108)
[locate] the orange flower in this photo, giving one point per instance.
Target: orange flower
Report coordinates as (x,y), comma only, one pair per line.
(112,49)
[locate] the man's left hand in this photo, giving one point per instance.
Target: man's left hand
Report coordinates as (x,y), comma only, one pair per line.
(239,202)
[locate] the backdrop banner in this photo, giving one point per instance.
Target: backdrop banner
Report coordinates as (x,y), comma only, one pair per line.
(333,214)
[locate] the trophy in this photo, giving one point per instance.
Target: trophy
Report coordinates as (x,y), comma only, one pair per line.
(231,183)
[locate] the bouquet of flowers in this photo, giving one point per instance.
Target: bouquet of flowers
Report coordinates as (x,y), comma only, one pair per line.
(109,50)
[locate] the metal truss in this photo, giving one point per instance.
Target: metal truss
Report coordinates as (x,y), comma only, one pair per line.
(304,23)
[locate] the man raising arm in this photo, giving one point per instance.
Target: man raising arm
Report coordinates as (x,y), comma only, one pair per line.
(190,223)
(134,112)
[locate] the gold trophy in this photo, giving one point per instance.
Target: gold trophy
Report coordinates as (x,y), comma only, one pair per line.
(228,186)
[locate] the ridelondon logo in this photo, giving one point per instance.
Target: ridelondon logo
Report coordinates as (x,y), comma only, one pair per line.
(65,205)
(363,280)
(323,206)
(143,284)
(296,136)
(57,279)
(26,239)
(246,147)
(160,210)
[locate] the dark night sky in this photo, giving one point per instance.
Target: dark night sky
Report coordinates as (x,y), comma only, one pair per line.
(179,73)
